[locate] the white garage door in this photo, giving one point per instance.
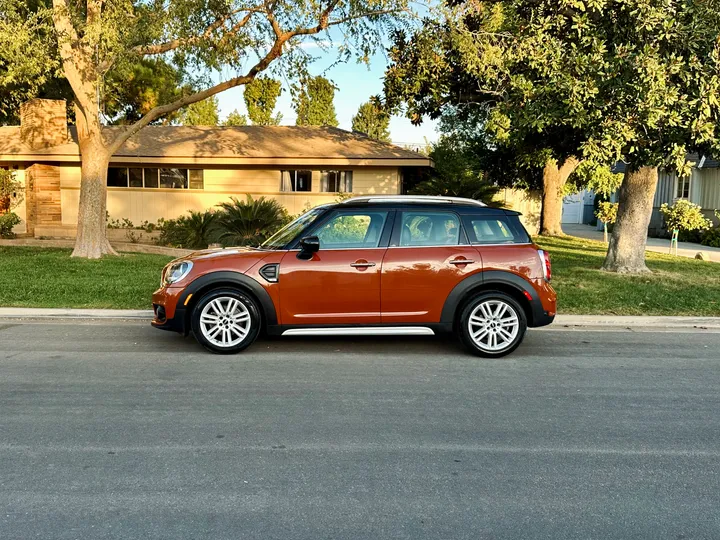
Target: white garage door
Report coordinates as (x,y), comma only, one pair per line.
(572,211)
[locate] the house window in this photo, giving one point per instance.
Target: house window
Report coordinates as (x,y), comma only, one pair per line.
(683,187)
(136,177)
(296,181)
(151,177)
(174,178)
(336,181)
(117,177)
(171,178)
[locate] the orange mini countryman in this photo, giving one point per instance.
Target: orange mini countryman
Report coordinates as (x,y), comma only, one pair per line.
(368,266)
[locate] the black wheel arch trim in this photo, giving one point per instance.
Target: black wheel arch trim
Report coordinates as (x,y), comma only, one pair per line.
(213,280)
(484,280)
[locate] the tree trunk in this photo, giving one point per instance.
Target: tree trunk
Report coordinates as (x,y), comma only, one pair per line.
(91,241)
(626,252)
(554,179)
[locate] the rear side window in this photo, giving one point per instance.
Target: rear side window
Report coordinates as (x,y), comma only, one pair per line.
(495,229)
(429,229)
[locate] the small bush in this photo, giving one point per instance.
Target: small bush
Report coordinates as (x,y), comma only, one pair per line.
(7,222)
(711,238)
(684,216)
(196,230)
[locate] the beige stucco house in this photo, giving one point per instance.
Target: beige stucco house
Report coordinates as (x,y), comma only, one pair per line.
(165,171)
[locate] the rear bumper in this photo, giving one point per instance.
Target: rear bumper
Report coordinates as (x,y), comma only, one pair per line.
(544,307)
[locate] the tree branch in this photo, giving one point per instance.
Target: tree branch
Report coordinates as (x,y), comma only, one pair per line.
(160,48)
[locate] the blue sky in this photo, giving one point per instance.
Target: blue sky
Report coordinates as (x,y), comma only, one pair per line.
(356,83)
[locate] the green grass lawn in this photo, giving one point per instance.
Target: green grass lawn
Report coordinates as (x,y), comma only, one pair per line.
(44,277)
(677,286)
(39,277)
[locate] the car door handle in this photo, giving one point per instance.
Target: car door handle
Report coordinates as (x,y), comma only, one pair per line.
(462,261)
(362,264)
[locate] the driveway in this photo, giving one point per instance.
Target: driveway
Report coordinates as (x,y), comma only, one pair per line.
(119,431)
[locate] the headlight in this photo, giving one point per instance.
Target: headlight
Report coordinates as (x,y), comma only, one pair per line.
(176,271)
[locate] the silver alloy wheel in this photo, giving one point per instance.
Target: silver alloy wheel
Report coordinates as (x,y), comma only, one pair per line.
(225,321)
(493,325)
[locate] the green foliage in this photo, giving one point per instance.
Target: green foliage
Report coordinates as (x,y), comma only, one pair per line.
(372,120)
(12,192)
(630,80)
(711,237)
(260,97)
(598,178)
(132,90)
(235,119)
(28,55)
(313,102)
(607,212)
(197,230)
(201,113)
(457,173)
(8,220)
(684,216)
(250,222)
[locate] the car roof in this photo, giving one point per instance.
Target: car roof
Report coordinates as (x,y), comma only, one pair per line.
(426,201)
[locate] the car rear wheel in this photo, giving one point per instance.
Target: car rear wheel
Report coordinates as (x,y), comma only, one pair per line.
(225,321)
(493,324)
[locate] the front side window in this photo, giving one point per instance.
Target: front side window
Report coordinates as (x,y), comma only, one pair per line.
(495,230)
(296,181)
(348,230)
(429,229)
(291,231)
(336,181)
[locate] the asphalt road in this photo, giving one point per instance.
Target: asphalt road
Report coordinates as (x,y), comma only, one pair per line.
(122,431)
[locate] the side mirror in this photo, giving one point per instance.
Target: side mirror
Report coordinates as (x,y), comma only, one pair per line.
(308,246)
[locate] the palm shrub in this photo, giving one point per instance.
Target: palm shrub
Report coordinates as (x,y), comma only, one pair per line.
(249,222)
(193,231)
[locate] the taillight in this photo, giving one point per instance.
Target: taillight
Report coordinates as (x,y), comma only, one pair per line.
(546,266)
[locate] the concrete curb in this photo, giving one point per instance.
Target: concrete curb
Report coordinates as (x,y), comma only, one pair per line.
(61,313)
(609,321)
(639,322)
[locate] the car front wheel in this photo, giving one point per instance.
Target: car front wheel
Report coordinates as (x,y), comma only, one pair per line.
(225,321)
(492,324)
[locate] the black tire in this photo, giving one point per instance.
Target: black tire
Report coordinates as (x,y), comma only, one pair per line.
(513,337)
(222,298)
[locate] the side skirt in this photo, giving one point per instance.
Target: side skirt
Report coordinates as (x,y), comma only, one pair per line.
(362,331)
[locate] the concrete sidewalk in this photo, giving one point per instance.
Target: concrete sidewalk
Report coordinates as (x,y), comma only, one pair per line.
(610,321)
(656,245)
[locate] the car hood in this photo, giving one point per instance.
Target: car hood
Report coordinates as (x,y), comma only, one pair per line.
(236,259)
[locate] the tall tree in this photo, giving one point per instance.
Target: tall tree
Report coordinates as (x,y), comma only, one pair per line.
(372,120)
(201,113)
(235,119)
(313,102)
(260,98)
(608,80)
(88,39)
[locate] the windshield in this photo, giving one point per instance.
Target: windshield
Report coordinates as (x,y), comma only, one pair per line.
(290,231)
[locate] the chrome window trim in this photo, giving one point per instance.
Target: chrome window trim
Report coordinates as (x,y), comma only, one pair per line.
(461,245)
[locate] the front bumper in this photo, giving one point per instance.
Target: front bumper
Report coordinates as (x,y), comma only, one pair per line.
(169,312)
